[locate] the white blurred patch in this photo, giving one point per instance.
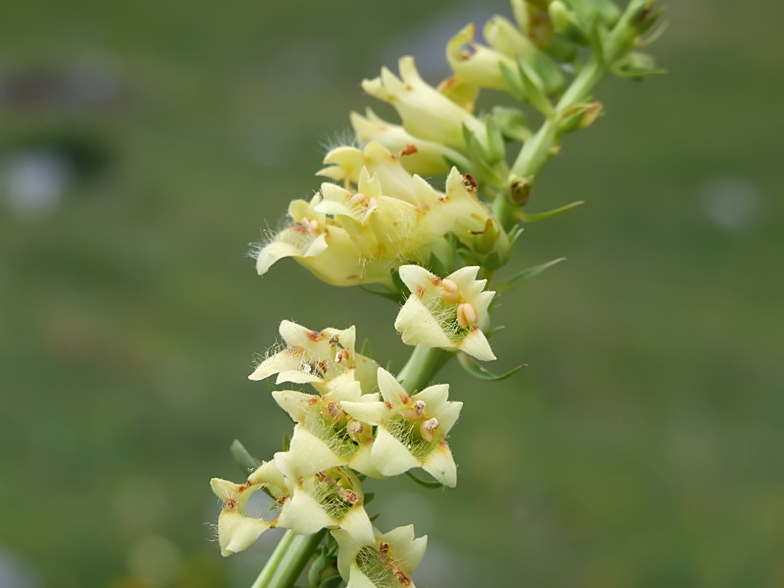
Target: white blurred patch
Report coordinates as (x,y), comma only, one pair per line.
(155,559)
(732,203)
(35,181)
(14,573)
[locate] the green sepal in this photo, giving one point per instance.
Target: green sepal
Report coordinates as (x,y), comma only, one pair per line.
(369,496)
(366,349)
(388,294)
(511,122)
(244,460)
(495,140)
(470,365)
(609,13)
(524,275)
(530,218)
(374,517)
(437,265)
(314,573)
(286,442)
(514,234)
(534,88)
(425,483)
(492,331)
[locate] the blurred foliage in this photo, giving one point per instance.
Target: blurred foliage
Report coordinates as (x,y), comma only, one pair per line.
(644,444)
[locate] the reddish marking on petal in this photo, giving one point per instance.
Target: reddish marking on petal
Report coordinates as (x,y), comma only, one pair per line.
(352,277)
(420,291)
(408,87)
(229,504)
(388,405)
(244,487)
(436,280)
(409,150)
(282,499)
(313,335)
(312,401)
(443,444)
(471,183)
(448,83)
(475,328)
(404,398)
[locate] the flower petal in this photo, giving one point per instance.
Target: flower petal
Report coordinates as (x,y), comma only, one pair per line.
(440,464)
(390,456)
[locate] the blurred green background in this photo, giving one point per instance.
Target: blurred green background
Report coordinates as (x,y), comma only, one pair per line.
(143,145)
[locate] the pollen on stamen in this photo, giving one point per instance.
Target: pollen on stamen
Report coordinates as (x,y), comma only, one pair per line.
(419,407)
(428,429)
(466,315)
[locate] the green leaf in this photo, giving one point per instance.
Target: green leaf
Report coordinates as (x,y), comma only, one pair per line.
(424,483)
(286,442)
(530,218)
(495,140)
(366,349)
(473,368)
(244,460)
(369,496)
(490,332)
(524,275)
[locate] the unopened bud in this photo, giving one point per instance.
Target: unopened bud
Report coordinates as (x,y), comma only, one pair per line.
(466,315)
(519,191)
(450,292)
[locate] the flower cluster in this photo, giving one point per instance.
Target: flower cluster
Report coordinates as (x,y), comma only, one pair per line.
(344,430)
(377,221)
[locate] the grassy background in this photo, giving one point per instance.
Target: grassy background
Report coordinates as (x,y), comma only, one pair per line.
(644,445)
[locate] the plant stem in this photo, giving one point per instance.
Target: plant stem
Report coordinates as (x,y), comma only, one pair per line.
(423,364)
(288,560)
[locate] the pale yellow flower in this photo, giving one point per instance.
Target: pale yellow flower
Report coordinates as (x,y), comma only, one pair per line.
(318,358)
(425,112)
(388,561)
(239,524)
(412,430)
(324,419)
(449,313)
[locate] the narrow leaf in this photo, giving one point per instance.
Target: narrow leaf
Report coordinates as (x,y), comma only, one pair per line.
(244,460)
(524,275)
(424,483)
(529,218)
(473,368)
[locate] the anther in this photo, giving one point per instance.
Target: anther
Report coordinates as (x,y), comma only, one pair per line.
(403,579)
(313,225)
(419,407)
(341,355)
(333,410)
(373,201)
(355,428)
(450,291)
(383,550)
(427,429)
(326,478)
(358,198)
(348,495)
(466,315)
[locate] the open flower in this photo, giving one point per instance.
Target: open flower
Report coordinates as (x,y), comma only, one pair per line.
(476,64)
(449,313)
(322,246)
(318,358)
(322,420)
(390,212)
(240,524)
(389,560)
(322,494)
(412,430)
(418,156)
(426,113)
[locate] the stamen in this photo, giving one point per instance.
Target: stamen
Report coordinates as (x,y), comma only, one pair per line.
(383,550)
(466,315)
(354,428)
(427,429)
(373,201)
(348,495)
(450,292)
(358,198)
(419,407)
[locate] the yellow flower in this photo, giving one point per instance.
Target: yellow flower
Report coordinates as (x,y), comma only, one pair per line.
(412,430)
(426,113)
(239,524)
(322,246)
(323,419)
(319,358)
(449,313)
(416,155)
(388,560)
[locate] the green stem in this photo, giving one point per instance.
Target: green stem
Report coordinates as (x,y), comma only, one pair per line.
(288,560)
(420,368)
